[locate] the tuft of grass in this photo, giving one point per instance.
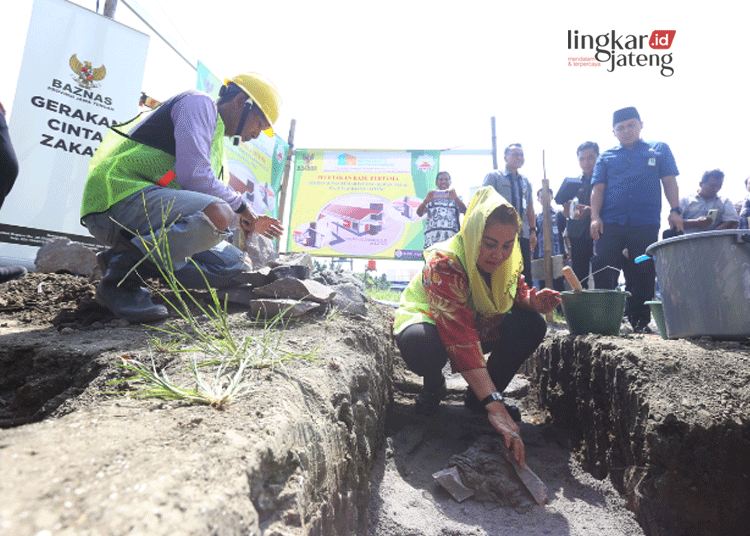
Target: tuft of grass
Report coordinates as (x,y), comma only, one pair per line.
(208,333)
(216,392)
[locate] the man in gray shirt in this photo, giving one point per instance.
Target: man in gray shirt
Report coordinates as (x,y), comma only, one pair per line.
(516,189)
(705,210)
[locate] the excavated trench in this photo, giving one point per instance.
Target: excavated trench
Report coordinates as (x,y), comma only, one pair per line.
(667,421)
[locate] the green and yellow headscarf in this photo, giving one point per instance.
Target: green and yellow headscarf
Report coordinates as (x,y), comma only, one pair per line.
(465,247)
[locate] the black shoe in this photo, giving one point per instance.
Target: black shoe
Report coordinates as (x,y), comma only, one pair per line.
(428,402)
(475,406)
(120,289)
(9,273)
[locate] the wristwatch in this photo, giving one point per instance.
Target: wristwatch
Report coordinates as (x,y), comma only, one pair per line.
(678,210)
(494,396)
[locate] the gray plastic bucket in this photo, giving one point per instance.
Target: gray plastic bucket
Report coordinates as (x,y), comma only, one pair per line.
(704,280)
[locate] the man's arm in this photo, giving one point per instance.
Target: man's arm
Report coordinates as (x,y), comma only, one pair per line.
(672,193)
(692,223)
(729,217)
(194,118)
(597,200)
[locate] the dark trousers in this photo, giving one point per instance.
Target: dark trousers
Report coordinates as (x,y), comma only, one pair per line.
(521,332)
(640,279)
(581,251)
(8,161)
(526,253)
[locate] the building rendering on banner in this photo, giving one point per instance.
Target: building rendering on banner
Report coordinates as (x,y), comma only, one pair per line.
(356,220)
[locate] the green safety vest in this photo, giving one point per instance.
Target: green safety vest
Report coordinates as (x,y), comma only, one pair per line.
(122,166)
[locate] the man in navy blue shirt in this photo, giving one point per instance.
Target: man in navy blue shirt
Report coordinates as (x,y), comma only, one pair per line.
(626,208)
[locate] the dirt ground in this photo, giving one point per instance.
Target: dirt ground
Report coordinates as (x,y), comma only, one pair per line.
(405,499)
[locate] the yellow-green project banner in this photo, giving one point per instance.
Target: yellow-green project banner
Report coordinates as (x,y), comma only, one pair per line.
(360,203)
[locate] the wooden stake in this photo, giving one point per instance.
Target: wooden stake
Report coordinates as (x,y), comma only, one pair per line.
(285,179)
(547,231)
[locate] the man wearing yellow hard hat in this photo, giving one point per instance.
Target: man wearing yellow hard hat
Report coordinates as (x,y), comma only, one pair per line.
(161,180)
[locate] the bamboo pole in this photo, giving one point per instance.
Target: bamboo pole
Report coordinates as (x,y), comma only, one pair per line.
(285,179)
(547,219)
(494,144)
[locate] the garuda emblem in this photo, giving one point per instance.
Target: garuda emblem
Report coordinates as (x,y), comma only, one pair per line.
(85,74)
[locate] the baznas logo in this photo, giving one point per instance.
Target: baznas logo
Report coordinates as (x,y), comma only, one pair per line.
(84,74)
(308,158)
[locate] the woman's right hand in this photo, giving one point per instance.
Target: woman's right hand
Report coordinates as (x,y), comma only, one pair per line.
(503,423)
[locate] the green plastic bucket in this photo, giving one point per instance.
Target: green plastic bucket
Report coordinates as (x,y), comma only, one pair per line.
(657,311)
(594,311)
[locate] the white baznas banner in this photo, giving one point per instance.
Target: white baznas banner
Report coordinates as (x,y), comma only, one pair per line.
(81,73)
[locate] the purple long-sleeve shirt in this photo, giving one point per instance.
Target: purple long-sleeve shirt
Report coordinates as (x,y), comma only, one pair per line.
(194,118)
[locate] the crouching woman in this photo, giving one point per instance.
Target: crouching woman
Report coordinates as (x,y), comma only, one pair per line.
(471,299)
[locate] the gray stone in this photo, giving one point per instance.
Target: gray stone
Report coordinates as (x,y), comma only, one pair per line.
(451,481)
(292,288)
(331,278)
(241,294)
(297,271)
(267,308)
(349,299)
(64,255)
(293,258)
(256,278)
(260,250)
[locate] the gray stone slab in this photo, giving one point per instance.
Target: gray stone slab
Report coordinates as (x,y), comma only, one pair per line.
(292,288)
(349,299)
(260,251)
(241,294)
(297,271)
(451,481)
(267,308)
(256,278)
(296,258)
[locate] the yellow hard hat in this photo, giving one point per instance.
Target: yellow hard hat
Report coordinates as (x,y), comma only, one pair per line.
(263,93)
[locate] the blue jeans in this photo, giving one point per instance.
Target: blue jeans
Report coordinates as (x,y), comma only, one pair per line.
(178,214)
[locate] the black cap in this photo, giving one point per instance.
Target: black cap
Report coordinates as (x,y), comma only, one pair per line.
(624,114)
